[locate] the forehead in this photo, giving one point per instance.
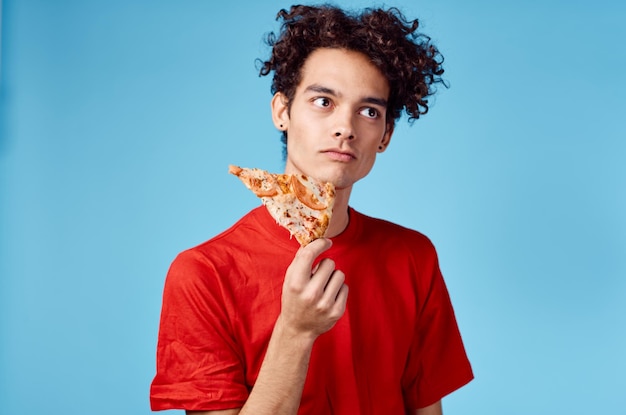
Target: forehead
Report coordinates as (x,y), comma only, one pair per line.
(347,72)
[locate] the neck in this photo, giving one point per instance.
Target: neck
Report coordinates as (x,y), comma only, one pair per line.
(339,220)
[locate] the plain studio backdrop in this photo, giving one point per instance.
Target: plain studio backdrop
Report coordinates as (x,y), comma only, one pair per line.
(118,122)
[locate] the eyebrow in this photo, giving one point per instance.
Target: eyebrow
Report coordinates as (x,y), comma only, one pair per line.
(320,89)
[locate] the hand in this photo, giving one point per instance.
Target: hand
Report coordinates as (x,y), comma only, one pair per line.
(313,298)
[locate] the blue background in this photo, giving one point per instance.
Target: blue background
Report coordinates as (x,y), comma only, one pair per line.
(118,121)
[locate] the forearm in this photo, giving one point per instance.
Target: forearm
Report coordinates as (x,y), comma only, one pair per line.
(279,385)
(434,409)
(313,299)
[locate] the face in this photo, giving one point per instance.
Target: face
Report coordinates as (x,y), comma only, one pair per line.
(336,123)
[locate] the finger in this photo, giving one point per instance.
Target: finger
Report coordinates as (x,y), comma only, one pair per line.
(320,278)
(302,264)
(322,273)
(339,307)
(315,248)
(333,286)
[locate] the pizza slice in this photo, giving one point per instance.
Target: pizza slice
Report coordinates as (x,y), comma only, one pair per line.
(301,204)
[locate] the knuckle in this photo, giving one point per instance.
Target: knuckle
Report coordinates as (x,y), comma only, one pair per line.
(308,296)
(292,287)
(322,307)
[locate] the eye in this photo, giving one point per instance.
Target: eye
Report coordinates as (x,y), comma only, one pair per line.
(322,102)
(370,112)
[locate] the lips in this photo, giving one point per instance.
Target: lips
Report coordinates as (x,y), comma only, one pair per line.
(339,155)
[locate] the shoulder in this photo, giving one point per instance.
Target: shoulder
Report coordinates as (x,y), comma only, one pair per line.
(218,252)
(236,234)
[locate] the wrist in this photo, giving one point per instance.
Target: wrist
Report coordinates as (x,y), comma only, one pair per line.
(292,336)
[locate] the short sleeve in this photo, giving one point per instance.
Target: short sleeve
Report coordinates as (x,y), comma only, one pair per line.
(438,363)
(199,366)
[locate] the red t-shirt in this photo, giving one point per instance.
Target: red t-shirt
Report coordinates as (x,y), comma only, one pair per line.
(396,347)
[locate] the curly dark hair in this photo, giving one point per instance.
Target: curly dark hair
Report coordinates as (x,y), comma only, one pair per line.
(406,57)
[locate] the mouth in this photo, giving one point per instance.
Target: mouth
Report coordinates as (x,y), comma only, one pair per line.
(339,155)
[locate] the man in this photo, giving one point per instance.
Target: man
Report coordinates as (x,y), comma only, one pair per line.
(254,324)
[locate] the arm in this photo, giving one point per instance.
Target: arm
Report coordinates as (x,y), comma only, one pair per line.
(434,409)
(312,302)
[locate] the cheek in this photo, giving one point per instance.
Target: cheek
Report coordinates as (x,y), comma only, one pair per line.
(299,142)
(368,158)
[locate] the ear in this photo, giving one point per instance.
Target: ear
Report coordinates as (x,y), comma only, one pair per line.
(384,142)
(280,111)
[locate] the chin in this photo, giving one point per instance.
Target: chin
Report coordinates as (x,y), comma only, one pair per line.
(334,174)
(340,181)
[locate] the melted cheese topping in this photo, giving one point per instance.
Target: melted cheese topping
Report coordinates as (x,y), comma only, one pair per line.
(299,203)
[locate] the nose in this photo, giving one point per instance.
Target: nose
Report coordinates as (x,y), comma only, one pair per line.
(343,127)
(343,133)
